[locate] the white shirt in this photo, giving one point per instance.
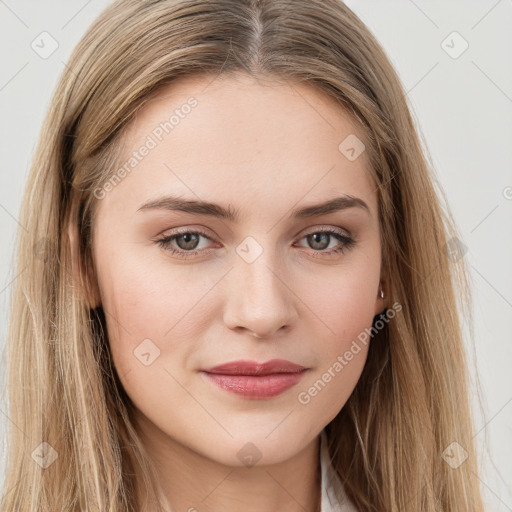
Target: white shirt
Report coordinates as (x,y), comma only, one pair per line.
(331,481)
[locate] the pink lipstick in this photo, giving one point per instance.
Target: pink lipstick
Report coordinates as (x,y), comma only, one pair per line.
(254,380)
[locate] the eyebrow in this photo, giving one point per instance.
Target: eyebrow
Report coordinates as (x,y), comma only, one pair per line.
(174,203)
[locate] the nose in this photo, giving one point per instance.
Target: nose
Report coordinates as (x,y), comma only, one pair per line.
(260,298)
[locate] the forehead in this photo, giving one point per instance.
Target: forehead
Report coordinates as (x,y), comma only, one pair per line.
(238,136)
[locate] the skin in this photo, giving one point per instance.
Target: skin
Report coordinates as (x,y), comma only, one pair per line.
(264,148)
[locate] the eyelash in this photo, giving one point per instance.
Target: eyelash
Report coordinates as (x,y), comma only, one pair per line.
(346,243)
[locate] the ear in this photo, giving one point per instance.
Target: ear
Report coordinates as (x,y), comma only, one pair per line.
(83,271)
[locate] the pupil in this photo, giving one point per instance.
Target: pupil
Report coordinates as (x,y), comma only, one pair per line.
(189,238)
(317,239)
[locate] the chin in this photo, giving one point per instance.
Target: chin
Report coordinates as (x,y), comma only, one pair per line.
(251,448)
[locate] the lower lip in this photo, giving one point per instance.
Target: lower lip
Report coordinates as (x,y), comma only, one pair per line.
(256,387)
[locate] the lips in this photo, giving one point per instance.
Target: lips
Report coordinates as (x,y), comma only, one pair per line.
(254,368)
(253,380)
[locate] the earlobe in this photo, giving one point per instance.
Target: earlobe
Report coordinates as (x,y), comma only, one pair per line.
(83,273)
(381,302)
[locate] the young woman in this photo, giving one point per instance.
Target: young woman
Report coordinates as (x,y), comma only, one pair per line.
(237,289)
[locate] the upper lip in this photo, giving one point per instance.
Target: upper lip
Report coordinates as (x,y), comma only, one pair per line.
(255,368)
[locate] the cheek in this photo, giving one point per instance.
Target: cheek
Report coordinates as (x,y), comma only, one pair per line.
(153,331)
(342,303)
(149,311)
(341,352)
(342,299)
(148,298)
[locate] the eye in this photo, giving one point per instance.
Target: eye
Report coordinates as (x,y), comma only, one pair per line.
(320,240)
(188,242)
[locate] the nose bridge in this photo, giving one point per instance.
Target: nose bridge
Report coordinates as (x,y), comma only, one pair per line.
(259,298)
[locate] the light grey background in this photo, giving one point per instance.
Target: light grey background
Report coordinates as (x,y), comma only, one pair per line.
(463,107)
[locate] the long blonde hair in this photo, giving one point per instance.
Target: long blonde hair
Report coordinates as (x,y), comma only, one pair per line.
(389,442)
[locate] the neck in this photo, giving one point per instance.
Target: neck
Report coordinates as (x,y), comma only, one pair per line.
(188,481)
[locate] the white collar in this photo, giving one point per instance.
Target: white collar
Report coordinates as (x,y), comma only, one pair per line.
(331,481)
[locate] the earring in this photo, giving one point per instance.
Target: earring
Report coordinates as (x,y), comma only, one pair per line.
(381,293)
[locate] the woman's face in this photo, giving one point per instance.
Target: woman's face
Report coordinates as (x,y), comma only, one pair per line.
(240,159)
